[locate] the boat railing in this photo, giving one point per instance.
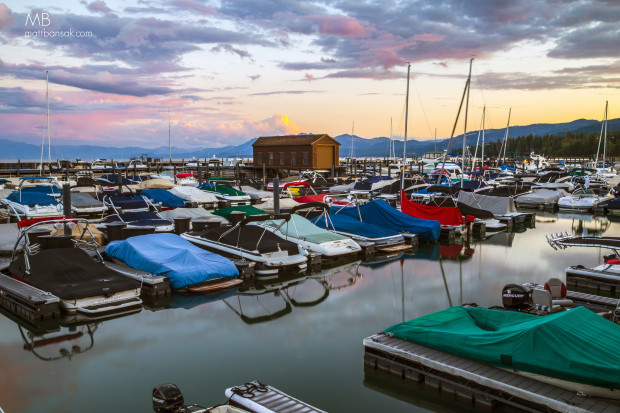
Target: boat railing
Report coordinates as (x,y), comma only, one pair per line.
(10,207)
(26,226)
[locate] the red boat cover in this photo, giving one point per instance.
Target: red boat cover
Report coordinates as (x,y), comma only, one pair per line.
(187,175)
(31,221)
(306,184)
(445,215)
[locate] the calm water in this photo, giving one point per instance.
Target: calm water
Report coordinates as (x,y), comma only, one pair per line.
(304,338)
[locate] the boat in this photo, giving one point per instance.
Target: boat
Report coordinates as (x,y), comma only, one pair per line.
(383,239)
(270,251)
(55,264)
(370,187)
(26,205)
(312,238)
(226,193)
(195,196)
(252,397)
(379,212)
(101,165)
(83,203)
(163,198)
(135,211)
(583,200)
(135,164)
(189,268)
(527,344)
(501,207)
(540,197)
(40,184)
(448,217)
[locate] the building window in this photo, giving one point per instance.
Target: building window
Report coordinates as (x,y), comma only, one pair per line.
(293,158)
(305,158)
(260,158)
(270,158)
(281,158)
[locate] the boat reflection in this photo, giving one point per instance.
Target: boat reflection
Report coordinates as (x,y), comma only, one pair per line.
(586,224)
(62,337)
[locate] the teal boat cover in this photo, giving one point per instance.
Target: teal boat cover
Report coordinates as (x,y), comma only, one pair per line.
(172,256)
(300,228)
(575,345)
(248,209)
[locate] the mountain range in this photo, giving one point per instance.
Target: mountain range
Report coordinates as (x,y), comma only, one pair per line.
(362,147)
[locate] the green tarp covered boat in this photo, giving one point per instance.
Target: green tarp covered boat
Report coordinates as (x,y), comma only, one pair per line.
(575,345)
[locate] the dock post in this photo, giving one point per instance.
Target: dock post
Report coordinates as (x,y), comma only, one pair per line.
(333,168)
(18,167)
(264,175)
(174,169)
(276,195)
(66,205)
(199,173)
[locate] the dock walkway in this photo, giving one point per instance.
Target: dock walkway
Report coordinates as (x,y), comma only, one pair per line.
(479,384)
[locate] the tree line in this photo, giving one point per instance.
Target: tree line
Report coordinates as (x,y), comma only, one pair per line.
(578,144)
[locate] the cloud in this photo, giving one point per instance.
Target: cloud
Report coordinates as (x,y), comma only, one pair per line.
(308,77)
(228,48)
(254,77)
(285,92)
(7,18)
(98,6)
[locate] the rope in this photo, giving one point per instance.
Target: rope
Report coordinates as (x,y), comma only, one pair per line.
(248,390)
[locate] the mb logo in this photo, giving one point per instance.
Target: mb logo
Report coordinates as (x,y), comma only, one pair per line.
(42,20)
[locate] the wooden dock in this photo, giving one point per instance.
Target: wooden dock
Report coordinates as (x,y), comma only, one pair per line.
(258,397)
(27,301)
(475,384)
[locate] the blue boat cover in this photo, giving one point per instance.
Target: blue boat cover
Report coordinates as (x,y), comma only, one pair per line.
(614,204)
(31,198)
(139,219)
(171,256)
(350,225)
(167,198)
(379,212)
(43,189)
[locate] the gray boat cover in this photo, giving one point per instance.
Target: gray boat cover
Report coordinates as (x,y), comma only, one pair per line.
(540,196)
(193,213)
(498,205)
(84,200)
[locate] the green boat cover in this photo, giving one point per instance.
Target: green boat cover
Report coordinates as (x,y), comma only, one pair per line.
(248,209)
(221,189)
(575,345)
(301,228)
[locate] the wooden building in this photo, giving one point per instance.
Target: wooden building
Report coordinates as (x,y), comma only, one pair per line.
(296,152)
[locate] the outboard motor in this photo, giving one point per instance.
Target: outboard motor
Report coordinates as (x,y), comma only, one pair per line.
(516,297)
(167,398)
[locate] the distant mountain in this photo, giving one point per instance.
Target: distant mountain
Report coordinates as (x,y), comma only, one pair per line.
(375,147)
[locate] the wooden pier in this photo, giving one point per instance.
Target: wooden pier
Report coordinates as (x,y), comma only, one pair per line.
(475,384)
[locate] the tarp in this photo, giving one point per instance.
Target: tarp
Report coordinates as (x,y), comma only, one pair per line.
(84,200)
(156,183)
(221,189)
(31,198)
(301,228)
(251,238)
(139,219)
(379,212)
(576,345)
(248,209)
(319,198)
(285,203)
(171,256)
(350,225)
(192,194)
(193,213)
(498,205)
(372,183)
(541,196)
(167,198)
(42,189)
(128,202)
(445,215)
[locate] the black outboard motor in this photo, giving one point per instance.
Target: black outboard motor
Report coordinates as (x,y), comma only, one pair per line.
(167,398)
(516,297)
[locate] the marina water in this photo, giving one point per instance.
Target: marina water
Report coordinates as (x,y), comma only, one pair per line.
(304,338)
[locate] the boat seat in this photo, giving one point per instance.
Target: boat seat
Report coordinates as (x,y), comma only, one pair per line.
(542,301)
(557,289)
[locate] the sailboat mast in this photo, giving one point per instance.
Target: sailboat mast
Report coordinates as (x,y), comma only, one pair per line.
(402,175)
(47,111)
(352,129)
(605,140)
(484,109)
(506,138)
(169,140)
(463,166)
(473,163)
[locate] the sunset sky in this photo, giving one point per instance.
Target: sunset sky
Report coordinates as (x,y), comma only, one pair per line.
(222,72)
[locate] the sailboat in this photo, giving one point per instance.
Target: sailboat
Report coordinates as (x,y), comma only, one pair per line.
(604,170)
(47,127)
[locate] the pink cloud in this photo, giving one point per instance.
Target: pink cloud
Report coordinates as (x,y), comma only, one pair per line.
(6,16)
(309,77)
(428,37)
(99,6)
(194,6)
(339,25)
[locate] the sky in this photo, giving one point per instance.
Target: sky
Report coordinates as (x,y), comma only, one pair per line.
(215,73)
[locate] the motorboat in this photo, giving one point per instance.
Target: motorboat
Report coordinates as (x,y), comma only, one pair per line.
(101,165)
(83,203)
(269,250)
(502,207)
(226,193)
(526,344)
(540,197)
(40,184)
(195,196)
(163,198)
(372,186)
(314,239)
(136,164)
(379,212)
(189,268)
(583,200)
(71,269)
(135,211)
(383,239)
(448,217)
(25,205)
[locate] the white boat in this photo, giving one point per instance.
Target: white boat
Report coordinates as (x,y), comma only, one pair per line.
(136,164)
(314,239)
(33,201)
(582,200)
(540,197)
(195,196)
